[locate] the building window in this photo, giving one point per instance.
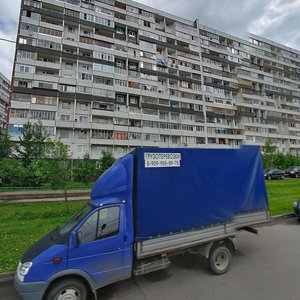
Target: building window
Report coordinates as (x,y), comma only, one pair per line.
(24,69)
(15,130)
(120,98)
(174,139)
(66,105)
(103,68)
(147,24)
(23,41)
(72,13)
(26,54)
(121,135)
(83,106)
(71,29)
(120,30)
(131,34)
(87,32)
(132,66)
(64,134)
(69,65)
(50,31)
(65,118)
(104,56)
(44,100)
(102,134)
(67,88)
(82,134)
(81,149)
(163,139)
(120,63)
(84,76)
(133,100)
(21,97)
(83,119)
(23,84)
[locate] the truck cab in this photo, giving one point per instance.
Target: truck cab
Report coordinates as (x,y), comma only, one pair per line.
(94,248)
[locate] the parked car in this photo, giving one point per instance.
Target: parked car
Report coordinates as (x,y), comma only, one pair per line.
(297,208)
(274,174)
(293,172)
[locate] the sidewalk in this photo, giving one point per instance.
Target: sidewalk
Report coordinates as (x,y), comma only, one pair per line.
(57,199)
(43,196)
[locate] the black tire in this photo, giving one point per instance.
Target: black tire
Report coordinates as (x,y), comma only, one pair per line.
(219,259)
(68,289)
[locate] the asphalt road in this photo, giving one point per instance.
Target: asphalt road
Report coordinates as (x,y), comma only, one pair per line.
(266,266)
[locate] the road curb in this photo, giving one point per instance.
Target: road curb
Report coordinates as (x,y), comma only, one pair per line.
(283,216)
(4,277)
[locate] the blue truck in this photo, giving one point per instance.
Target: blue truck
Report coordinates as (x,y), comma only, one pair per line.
(152,204)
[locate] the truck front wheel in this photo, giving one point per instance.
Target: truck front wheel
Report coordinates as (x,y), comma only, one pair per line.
(67,289)
(219,259)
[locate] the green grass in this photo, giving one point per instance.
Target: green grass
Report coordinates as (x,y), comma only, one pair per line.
(282,194)
(23,224)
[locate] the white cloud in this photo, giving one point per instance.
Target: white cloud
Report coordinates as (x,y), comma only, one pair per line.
(9,15)
(9,11)
(277,13)
(7,52)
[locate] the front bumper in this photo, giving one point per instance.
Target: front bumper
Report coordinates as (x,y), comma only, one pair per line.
(30,290)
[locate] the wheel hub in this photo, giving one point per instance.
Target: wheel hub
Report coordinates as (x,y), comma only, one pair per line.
(69,294)
(221,261)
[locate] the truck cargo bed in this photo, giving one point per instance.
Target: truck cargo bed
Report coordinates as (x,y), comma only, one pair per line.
(198,236)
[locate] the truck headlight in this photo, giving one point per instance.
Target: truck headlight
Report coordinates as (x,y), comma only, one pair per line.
(24,268)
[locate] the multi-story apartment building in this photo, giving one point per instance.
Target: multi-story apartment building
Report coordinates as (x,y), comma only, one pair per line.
(4,98)
(113,75)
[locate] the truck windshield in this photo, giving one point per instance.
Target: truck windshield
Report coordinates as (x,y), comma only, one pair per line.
(75,219)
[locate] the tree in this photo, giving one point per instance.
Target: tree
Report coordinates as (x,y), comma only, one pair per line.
(279,161)
(5,145)
(106,161)
(268,154)
(291,160)
(53,168)
(32,143)
(85,170)
(12,172)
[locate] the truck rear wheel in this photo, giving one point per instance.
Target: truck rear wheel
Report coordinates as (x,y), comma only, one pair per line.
(67,289)
(219,259)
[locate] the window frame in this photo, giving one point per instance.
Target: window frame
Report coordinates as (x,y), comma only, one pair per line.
(99,225)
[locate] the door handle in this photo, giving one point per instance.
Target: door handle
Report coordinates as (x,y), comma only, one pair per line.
(111,250)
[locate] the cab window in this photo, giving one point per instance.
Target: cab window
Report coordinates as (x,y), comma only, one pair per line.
(101,224)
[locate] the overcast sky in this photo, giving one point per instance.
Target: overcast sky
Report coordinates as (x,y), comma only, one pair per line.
(277,20)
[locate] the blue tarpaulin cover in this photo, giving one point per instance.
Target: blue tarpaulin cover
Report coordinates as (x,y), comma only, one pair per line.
(194,188)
